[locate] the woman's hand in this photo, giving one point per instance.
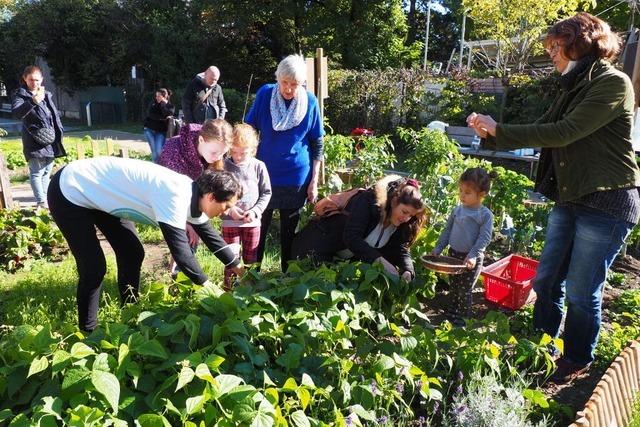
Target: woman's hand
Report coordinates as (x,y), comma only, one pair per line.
(39,95)
(238,270)
(312,191)
(194,239)
(483,124)
(470,263)
(388,267)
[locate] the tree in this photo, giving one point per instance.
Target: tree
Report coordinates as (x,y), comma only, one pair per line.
(517,24)
(618,14)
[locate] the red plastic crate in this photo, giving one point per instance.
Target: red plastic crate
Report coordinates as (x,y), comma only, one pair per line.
(507,282)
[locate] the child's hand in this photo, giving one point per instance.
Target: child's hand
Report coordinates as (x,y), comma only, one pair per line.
(236,213)
(249,216)
(470,263)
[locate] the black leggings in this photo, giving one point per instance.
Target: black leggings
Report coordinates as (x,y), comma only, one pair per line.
(288,222)
(462,285)
(78,226)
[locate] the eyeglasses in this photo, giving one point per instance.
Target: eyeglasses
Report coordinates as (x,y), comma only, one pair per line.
(553,49)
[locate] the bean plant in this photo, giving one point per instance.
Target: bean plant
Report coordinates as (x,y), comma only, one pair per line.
(336,345)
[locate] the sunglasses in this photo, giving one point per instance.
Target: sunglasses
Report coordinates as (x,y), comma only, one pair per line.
(553,49)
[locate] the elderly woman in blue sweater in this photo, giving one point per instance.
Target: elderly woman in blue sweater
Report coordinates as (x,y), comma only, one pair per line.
(291,146)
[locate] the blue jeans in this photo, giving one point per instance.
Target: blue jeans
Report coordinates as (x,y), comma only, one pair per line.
(156,142)
(580,246)
(39,177)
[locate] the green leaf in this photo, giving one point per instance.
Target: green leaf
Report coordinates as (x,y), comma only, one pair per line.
(43,339)
(153,348)
(123,352)
(202,372)
(363,413)
(264,417)
(152,420)
(80,350)
(383,363)
(537,397)
(194,404)
(101,362)
(5,414)
(73,377)
(291,358)
(52,406)
(304,396)
(226,383)
(243,414)
(307,381)
(184,377)
(60,360)
(38,365)
(192,326)
(272,394)
(107,384)
(171,407)
(290,385)
(20,421)
(214,361)
(299,419)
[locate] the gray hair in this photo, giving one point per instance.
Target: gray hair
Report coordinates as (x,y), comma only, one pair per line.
(292,67)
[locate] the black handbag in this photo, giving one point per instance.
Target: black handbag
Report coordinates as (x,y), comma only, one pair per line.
(173,127)
(42,136)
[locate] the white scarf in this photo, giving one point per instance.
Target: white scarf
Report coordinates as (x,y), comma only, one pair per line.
(283,118)
(570,66)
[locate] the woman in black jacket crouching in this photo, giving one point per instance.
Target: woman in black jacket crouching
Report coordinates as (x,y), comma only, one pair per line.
(378,225)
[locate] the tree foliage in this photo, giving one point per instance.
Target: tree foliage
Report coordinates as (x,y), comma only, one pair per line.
(95,42)
(518,24)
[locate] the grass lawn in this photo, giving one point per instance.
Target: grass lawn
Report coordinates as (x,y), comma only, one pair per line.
(46,293)
(11,148)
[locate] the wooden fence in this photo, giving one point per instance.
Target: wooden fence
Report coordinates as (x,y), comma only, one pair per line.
(95,149)
(613,399)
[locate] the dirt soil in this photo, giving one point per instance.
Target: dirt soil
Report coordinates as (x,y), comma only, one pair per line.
(155,266)
(574,394)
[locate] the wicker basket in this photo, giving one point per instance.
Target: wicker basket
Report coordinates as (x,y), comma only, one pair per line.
(443,264)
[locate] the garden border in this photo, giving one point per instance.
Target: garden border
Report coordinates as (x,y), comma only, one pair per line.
(613,400)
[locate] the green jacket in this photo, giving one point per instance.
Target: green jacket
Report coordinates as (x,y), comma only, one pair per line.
(585,135)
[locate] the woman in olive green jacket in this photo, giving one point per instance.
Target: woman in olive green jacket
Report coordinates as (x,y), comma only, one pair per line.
(588,168)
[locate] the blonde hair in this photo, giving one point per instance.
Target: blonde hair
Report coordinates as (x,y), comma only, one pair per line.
(245,136)
(219,130)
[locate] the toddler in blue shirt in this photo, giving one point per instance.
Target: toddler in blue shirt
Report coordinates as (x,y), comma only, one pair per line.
(468,232)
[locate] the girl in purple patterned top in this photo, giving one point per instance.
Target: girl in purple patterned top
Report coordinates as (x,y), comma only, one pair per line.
(196,148)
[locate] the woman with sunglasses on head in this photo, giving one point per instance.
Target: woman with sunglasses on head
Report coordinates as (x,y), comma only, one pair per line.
(378,224)
(588,168)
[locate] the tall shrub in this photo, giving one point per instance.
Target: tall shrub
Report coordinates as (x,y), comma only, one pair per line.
(378,99)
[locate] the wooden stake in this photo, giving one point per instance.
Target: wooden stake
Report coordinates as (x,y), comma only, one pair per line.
(6,199)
